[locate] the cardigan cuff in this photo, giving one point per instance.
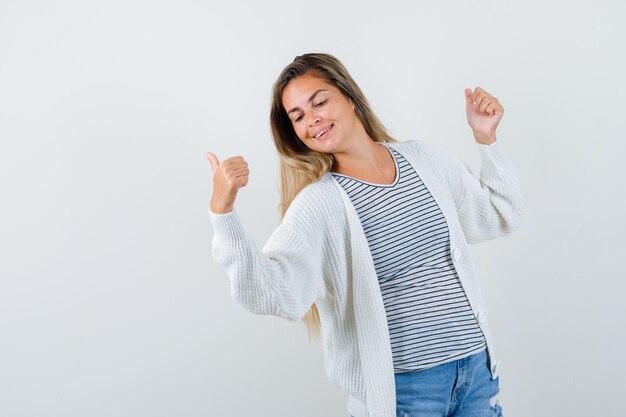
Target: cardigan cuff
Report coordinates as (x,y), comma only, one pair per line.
(493,154)
(227,225)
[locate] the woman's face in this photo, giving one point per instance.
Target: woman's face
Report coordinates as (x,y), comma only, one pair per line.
(322,117)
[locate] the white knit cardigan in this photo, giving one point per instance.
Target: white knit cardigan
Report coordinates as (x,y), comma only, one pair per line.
(319,254)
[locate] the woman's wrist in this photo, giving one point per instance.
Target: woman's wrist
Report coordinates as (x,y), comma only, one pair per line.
(485,139)
(218,208)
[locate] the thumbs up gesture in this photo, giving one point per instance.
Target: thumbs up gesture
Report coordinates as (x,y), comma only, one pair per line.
(484,112)
(228,177)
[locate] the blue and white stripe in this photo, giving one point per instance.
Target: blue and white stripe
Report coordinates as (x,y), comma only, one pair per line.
(430,319)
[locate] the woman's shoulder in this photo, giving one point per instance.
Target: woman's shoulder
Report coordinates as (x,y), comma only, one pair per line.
(319,190)
(408,144)
(316,200)
(415,147)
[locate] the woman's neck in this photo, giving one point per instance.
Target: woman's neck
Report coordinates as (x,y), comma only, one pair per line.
(362,157)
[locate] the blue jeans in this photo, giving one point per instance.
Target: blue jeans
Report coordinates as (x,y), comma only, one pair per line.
(461,388)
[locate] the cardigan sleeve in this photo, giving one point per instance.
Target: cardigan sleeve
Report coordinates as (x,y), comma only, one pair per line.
(282,279)
(489,205)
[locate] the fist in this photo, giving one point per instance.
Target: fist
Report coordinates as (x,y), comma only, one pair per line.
(484,113)
(228,177)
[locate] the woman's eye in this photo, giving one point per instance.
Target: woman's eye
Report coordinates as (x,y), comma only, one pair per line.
(320,104)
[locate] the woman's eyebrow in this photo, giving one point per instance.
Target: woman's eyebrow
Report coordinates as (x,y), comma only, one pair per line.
(309,100)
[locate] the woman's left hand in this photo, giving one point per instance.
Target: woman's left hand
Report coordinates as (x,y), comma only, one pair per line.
(484,112)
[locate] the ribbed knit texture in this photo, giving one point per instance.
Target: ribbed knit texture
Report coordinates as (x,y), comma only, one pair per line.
(319,253)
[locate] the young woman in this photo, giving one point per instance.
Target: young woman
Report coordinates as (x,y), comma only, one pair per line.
(372,248)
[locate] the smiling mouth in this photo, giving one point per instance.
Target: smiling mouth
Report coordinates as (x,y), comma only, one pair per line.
(324,132)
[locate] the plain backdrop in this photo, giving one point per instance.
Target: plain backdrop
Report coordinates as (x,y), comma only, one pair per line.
(110,302)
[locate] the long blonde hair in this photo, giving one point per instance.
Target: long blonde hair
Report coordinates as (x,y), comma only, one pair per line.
(300,165)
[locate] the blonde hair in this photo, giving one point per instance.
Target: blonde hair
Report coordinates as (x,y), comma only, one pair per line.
(300,165)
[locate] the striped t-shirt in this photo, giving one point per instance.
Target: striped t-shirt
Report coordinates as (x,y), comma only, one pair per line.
(430,319)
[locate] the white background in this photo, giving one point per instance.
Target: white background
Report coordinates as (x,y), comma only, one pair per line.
(110,302)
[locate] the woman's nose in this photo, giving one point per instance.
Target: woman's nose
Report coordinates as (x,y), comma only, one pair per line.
(314,118)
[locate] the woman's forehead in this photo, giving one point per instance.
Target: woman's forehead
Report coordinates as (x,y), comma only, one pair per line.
(300,90)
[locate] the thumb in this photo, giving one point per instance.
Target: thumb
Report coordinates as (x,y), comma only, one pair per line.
(469,97)
(213,160)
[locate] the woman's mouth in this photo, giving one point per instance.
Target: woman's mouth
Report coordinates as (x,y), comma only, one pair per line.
(324,133)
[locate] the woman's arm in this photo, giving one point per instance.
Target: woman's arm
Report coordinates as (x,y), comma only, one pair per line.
(284,278)
(488,205)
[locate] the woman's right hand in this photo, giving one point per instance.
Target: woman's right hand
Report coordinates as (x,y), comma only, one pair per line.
(228,177)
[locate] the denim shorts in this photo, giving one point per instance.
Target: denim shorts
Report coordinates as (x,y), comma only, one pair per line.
(461,388)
